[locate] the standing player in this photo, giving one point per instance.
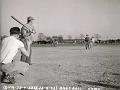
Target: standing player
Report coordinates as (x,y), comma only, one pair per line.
(87,42)
(92,42)
(9,48)
(27,34)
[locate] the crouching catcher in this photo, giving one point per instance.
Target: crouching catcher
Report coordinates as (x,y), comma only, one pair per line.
(9,48)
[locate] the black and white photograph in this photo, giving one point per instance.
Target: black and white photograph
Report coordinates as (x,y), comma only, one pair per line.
(59,44)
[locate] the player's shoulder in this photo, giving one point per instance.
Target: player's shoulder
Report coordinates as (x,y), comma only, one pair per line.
(29,25)
(8,38)
(17,40)
(20,43)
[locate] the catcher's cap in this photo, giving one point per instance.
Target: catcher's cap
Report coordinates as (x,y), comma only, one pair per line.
(30,18)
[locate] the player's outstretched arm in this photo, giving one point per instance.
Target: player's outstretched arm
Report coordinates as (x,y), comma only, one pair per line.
(24,51)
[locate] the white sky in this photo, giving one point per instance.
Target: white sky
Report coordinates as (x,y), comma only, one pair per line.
(65,17)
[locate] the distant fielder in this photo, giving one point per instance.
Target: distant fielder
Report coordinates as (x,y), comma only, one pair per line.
(92,42)
(87,42)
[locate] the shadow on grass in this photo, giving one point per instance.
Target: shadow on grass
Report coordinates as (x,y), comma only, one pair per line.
(98,84)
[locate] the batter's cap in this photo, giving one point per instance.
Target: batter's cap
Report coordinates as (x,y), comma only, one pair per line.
(30,18)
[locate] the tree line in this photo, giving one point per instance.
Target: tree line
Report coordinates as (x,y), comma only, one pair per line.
(42,38)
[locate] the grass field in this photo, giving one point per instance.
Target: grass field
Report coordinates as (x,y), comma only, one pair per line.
(62,65)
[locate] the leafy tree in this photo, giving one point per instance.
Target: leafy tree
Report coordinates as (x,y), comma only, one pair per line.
(82,36)
(42,37)
(97,36)
(69,37)
(60,39)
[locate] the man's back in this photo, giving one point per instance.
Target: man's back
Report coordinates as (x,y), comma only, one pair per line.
(10,46)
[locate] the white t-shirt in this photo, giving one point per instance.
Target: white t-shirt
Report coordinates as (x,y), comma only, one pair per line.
(10,47)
